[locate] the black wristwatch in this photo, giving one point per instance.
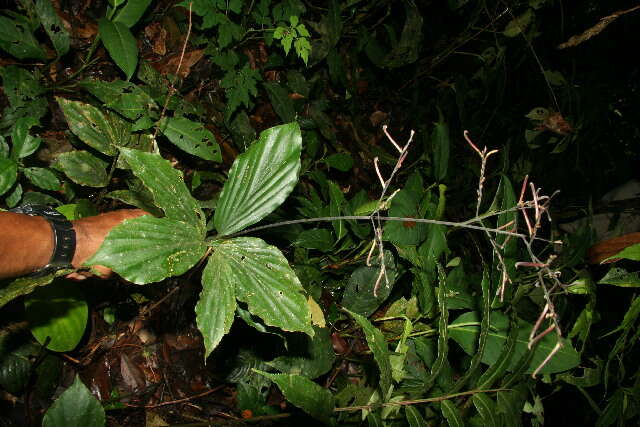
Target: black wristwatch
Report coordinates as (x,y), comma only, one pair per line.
(64,238)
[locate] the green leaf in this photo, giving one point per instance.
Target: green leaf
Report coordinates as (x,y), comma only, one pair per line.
(147,249)
(341,161)
(120,44)
(465,329)
(486,407)
(307,356)
(8,174)
(279,97)
(17,39)
(131,12)
(441,146)
(13,198)
(620,277)
(83,168)
(305,394)
(57,313)
(217,303)
(316,238)
(43,178)
(408,49)
(53,25)
(124,97)
(337,203)
(167,186)
(76,407)
(91,125)
(378,346)
(414,418)
(519,24)
(358,294)
(630,252)
(260,179)
(191,137)
(262,278)
(23,143)
(405,233)
(451,414)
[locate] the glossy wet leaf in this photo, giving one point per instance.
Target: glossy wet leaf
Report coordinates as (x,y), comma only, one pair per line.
(83,168)
(465,329)
(260,179)
(120,44)
(191,137)
(25,285)
(305,394)
(147,249)
(57,315)
(167,187)
(378,346)
(131,12)
(24,144)
(262,278)
(8,174)
(216,306)
(76,407)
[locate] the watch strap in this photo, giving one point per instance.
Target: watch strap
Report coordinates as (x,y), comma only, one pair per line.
(64,238)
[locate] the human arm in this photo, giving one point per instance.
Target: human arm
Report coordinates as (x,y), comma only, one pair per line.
(26,242)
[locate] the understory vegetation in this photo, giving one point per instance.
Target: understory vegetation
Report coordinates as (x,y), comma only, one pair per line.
(382,213)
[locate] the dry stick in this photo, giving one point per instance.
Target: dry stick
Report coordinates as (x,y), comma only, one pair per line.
(175,402)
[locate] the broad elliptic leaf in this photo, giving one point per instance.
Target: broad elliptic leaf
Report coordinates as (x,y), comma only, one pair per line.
(120,44)
(57,315)
(90,125)
(465,329)
(167,186)
(147,249)
(305,394)
(76,407)
(217,304)
(124,97)
(260,179)
(83,168)
(16,38)
(43,178)
(378,346)
(8,174)
(191,137)
(23,143)
(359,295)
(53,26)
(262,278)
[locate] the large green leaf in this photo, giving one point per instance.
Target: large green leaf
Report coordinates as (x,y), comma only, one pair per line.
(191,137)
(16,38)
(167,186)
(53,25)
(305,394)
(83,168)
(76,407)
(43,178)
(359,295)
(57,315)
(378,346)
(262,278)
(25,285)
(23,143)
(405,204)
(124,97)
(8,174)
(465,329)
(217,304)
(260,179)
(148,249)
(92,126)
(120,44)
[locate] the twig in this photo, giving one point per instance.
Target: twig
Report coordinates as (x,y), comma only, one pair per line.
(175,402)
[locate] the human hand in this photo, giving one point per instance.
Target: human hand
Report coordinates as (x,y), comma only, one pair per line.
(90,233)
